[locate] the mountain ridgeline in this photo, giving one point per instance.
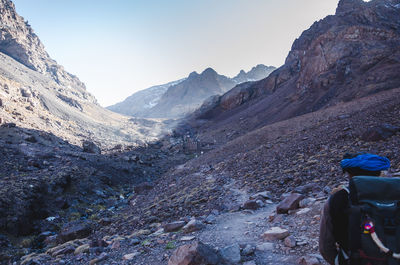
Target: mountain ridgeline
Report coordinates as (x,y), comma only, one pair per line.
(18,40)
(343,57)
(36,92)
(179,98)
(80,184)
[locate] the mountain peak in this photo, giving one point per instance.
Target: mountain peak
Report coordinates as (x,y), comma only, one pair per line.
(345,6)
(209,71)
(258,72)
(193,74)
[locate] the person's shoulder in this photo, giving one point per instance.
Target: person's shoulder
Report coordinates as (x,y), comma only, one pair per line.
(339,197)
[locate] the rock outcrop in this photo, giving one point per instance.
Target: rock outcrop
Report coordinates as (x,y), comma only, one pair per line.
(349,55)
(18,40)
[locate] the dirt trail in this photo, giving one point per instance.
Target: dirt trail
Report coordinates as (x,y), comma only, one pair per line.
(245,228)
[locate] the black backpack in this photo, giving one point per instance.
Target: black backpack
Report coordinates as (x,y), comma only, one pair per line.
(374,221)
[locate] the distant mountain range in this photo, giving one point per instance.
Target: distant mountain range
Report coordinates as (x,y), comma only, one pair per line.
(181,97)
(142,100)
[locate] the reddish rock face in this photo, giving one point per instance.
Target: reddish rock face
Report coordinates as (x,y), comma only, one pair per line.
(289,203)
(350,55)
(194,254)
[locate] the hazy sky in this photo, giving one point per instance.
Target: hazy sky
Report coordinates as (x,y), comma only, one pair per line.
(121,46)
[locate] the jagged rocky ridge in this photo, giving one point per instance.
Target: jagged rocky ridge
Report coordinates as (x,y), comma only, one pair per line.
(179,98)
(256,73)
(351,54)
(53,140)
(37,93)
(280,157)
(18,40)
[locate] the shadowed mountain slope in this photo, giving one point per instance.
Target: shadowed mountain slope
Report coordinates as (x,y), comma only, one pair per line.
(349,55)
(37,93)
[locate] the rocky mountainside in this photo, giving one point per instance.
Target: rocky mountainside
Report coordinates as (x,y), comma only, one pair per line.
(60,152)
(349,55)
(18,40)
(256,73)
(242,182)
(143,100)
(185,97)
(37,93)
(154,102)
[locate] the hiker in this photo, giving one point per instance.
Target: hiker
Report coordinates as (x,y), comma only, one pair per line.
(334,229)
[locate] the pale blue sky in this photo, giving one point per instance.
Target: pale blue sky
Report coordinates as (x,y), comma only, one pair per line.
(121,46)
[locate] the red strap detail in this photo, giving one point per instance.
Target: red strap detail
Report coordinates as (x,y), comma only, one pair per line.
(364,256)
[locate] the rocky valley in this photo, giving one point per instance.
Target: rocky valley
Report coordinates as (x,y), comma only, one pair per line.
(180,98)
(240,180)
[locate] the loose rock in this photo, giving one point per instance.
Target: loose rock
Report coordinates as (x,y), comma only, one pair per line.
(193,225)
(130,256)
(196,253)
(74,230)
(251,205)
(290,242)
(289,203)
(275,233)
(265,246)
(174,226)
(231,254)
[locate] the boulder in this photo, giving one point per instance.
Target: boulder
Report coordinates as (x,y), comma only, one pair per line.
(303,211)
(174,226)
(63,249)
(267,246)
(90,147)
(275,233)
(82,249)
(251,205)
(100,258)
(74,230)
(193,225)
(211,219)
(26,92)
(34,258)
(188,238)
(290,242)
(306,202)
(381,132)
(196,253)
(230,254)
(264,195)
(289,203)
(248,250)
(143,187)
(309,260)
(306,188)
(130,256)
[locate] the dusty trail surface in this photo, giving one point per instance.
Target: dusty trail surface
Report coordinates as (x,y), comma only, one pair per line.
(245,228)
